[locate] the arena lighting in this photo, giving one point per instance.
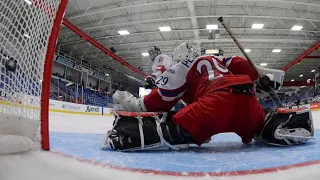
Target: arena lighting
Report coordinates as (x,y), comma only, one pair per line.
(211,26)
(313,70)
(276,50)
(123,32)
(164,28)
(292,80)
(93,42)
(263,64)
(26,35)
(257,26)
(301,75)
(28,2)
(212,51)
(296,28)
(145,54)
(247,50)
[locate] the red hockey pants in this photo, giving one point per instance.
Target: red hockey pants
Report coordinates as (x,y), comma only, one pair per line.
(220,112)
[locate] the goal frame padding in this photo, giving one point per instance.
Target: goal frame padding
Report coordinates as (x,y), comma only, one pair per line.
(45,93)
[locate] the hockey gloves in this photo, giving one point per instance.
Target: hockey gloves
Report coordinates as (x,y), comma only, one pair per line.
(149,83)
(267,82)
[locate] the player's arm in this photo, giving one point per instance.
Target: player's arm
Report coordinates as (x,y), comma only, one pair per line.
(237,65)
(160,65)
(171,85)
(271,78)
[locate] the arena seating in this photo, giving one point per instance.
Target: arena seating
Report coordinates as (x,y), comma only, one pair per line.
(91,97)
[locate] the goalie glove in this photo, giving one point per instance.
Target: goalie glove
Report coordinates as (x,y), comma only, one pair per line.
(149,82)
(125,101)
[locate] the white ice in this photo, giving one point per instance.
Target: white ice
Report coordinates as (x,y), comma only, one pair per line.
(39,165)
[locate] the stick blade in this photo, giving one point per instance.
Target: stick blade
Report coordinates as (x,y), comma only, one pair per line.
(220,19)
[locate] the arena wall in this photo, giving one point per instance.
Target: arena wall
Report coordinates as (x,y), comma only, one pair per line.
(73,108)
(58,106)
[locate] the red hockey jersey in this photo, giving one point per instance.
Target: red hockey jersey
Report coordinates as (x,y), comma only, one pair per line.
(190,79)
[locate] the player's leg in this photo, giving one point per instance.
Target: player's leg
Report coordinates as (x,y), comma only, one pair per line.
(278,127)
(248,117)
(287,127)
(233,109)
(207,116)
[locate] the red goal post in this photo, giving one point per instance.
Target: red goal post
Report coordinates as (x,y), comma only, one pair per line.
(28,36)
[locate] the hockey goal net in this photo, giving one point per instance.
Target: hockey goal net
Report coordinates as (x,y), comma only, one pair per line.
(28,35)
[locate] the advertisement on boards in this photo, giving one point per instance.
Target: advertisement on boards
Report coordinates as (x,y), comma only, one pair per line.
(93,109)
(70,106)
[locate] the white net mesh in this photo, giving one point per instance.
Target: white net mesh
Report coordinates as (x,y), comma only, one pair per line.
(25,28)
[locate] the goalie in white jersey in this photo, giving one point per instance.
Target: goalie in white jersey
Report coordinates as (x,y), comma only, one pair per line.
(220,98)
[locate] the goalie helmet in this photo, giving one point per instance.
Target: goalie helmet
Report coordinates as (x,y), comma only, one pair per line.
(284,127)
(184,51)
(154,52)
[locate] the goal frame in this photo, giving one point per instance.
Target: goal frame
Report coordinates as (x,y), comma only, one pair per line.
(45,91)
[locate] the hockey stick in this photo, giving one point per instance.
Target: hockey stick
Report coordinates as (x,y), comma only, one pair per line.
(272,94)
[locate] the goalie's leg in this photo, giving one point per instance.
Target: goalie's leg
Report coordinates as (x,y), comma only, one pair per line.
(141,133)
(287,127)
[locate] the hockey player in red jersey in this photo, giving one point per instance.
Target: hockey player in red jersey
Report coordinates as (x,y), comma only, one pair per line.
(219,93)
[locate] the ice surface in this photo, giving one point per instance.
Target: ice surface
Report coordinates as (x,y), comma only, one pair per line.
(47,165)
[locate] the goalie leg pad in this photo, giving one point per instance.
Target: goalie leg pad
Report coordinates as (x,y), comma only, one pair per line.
(287,127)
(154,132)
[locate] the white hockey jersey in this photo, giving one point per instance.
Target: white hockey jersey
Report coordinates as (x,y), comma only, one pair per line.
(161,63)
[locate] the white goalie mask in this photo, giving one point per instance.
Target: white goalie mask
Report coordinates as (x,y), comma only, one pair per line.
(184,51)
